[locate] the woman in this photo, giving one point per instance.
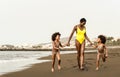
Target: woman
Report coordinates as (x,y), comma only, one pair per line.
(81,35)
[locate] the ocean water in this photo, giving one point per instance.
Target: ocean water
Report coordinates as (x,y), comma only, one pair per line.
(11,61)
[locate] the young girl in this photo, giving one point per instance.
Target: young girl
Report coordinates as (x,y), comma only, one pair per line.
(102,50)
(81,35)
(56,50)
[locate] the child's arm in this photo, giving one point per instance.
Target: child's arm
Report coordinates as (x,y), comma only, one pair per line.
(54,46)
(106,51)
(62,45)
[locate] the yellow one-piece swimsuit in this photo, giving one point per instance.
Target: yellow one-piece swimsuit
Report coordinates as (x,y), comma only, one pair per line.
(80,35)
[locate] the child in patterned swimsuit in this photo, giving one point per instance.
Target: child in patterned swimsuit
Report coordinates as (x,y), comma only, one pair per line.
(102,50)
(56,49)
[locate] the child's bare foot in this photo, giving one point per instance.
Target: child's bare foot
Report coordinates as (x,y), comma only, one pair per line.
(59,67)
(97,69)
(82,68)
(52,69)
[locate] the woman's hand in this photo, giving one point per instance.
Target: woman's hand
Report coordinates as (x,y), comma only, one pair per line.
(91,43)
(68,44)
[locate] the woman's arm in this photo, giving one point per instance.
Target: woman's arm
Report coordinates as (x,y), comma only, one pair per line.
(88,39)
(74,29)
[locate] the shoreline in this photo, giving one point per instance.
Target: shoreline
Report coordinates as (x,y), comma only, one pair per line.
(49,49)
(69,67)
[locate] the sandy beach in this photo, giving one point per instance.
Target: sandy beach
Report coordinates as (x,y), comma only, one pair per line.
(70,69)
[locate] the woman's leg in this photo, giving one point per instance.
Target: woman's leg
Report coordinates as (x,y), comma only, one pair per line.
(82,55)
(59,60)
(53,61)
(78,46)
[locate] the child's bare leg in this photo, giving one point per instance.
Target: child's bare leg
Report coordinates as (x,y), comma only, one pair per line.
(82,55)
(59,60)
(103,57)
(53,62)
(78,46)
(97,62)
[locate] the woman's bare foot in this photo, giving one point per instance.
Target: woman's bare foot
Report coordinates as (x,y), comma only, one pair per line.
(52,70)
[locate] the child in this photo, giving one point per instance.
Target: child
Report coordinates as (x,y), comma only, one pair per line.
(56,50)
(102,50)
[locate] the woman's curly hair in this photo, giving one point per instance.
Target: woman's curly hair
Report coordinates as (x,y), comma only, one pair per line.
(54,35)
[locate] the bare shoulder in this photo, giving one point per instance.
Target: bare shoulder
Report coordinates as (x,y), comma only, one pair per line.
(104,45)
(84,27)
(53,42)
(75,27)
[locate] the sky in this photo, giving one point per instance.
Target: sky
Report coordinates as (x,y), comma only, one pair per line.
(34,21)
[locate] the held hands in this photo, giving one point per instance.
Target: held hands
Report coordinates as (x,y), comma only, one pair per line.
(68,44)
(93,46)
(64,45)
(91,43)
